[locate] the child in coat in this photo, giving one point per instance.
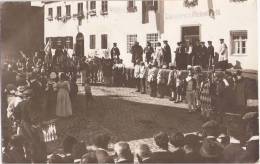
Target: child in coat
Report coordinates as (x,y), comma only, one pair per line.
(143,72)
(137,75)
(152,80)
(88,93)
(172,82)
(179,87)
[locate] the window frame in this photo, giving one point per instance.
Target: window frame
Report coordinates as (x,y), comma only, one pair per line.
(104,6)
(68,10)
(80,8)
(237,38)
(104,45)
(92,5)
(50,12)
(58,11)
(92,41)
(130,40)
(153,38)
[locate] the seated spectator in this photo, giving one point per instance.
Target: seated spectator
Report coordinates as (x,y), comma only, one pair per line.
(89,158)
(177,140)
(191,148)
(55,158)
(123,153)
(143,153)
(101,141)
(103,157)
(16,153)
(232,153)
(163,155)
(68,144)
(78,150)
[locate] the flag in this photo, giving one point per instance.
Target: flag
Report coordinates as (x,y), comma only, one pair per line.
(211,10)
(47,48)
(160,17)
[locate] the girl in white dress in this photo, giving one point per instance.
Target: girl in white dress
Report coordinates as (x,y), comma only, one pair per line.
(63,107)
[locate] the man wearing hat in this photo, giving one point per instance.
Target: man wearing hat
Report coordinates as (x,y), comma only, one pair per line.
(115,53)
(204,58)
(167,56)
(137,52)
(148,50)
(223,54)
(210,54)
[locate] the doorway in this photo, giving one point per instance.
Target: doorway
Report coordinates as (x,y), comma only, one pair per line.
(190,34)
(79,45)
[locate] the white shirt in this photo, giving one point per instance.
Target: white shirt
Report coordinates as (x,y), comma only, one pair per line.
(223,52)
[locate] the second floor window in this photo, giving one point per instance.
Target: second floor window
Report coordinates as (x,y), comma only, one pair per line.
(92,5)
(80,8)
(131,6)
(104,5)
(59,11)
(68,10)
(50,14)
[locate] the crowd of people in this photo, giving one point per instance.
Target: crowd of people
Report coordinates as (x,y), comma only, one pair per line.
(211,144)
(44,86)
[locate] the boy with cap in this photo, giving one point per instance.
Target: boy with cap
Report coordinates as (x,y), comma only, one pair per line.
(115,53)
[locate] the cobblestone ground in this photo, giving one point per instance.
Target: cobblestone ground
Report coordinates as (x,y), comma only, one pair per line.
(126,116)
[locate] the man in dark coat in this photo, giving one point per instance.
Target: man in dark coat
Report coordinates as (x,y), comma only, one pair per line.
(203,55)
(178,56)
(137,53)
(167,56)
(148,50)
(210,53)
(196,53)
(115,53)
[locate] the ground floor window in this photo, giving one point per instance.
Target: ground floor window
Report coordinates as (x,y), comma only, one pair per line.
(92,41)
(153,39)
(130,41)
(238,42)
(104,41)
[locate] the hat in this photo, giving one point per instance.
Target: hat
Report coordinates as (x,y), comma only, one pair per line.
(164,67)
(202,42)
(210,149)
(53,75)
(210,124)
(20,90)
(165,41)
(115,43)
(250,116)
(221,39)
(209,41)
(220,74)
(189,67)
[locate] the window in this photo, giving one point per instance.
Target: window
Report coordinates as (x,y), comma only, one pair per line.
(238,42)
(68,10)
(131,6)
(153,5)
(92,41)
(104,41)
(59,11)
(130,41)
(69,42)
(92,5)
(153,39)
(50,13)
(104,5)
(80,8)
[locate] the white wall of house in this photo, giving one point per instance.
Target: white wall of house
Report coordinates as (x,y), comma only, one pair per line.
(119,23)
(229,16)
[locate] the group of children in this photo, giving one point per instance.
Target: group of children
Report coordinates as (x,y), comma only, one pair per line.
(203,91)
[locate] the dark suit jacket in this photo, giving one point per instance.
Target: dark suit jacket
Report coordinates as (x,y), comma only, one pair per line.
(162,157)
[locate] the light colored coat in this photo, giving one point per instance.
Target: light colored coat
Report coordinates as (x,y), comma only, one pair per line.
(223,52)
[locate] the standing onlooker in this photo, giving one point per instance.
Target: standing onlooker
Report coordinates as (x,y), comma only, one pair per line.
(88,93)
(205,97)
(115,53)
(190,91)
(183,57)
(137,74)
(148,50)
(161,81)
(152,74)
(223,55)
(172,82)
(210,53)
(196,53)
(51,94)
(143,74)
(167,56)
(178,56)
(240,92)
(63,107)
(189,53)
(137,52)
(179,87)
(158,55)
(204,55)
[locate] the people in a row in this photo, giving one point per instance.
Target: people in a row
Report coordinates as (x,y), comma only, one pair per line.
(212,144)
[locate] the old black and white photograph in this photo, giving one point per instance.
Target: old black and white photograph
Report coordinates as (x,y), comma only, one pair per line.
(129,81)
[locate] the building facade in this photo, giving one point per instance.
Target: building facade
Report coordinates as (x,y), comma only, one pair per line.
(91,27)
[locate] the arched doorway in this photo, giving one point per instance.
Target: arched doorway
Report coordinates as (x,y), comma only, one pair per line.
(79,45)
